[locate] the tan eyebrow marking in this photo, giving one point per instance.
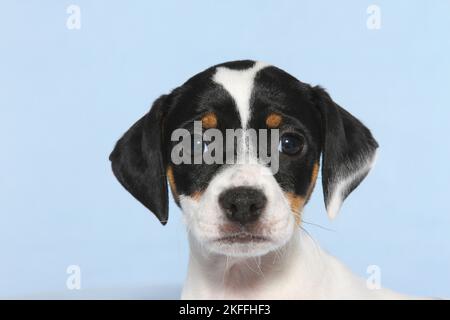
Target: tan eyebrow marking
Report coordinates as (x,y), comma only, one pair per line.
(273,120)
(209,120)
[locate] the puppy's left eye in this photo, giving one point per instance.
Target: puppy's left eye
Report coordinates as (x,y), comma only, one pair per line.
(291,143)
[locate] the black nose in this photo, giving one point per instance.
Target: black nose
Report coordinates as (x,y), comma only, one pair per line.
(242,204)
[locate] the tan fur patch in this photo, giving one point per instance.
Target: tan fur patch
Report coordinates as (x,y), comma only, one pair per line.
(173,187)
(297,202)
(314,175)
(209,120)
(171,179)
(196,195)
(273,120)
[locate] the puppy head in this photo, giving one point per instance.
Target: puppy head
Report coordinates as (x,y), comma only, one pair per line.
(243,208)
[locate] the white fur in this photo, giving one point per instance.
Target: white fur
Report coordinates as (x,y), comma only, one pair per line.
(204,217)
(239,84)
(298,270)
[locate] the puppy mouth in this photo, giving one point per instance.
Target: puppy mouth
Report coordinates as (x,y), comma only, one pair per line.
(242,238)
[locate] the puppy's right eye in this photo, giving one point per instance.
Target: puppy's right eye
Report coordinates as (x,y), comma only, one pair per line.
(198,146)
(291,143)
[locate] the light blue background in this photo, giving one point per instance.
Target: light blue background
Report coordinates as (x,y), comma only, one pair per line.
(67,95)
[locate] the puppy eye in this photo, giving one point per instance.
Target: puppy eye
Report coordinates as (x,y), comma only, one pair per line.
(198,145)
(291,143)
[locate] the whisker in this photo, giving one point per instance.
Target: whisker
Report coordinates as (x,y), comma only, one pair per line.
(249,267)
(316,245)
(298,215)
(318,225)
(225,270)
(258,264)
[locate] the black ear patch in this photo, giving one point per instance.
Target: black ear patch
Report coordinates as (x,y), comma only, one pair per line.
(138,161)
(348,151)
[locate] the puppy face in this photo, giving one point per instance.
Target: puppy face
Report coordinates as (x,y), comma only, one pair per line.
(244,209)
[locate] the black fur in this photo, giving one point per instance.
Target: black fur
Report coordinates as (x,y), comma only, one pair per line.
(139,164)
(347,145)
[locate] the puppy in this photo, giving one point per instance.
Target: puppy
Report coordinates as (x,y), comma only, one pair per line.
(243,218)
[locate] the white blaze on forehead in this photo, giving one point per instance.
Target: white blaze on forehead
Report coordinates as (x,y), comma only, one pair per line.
(239,84)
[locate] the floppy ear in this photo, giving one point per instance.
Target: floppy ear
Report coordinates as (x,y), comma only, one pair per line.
(138,161)
(348,151)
